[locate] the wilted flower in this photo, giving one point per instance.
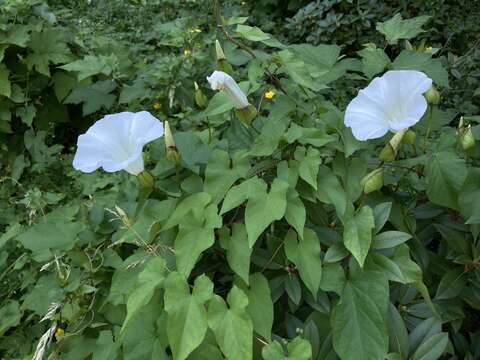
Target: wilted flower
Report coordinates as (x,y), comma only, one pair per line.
(392,102)
(116,141)
(224,82)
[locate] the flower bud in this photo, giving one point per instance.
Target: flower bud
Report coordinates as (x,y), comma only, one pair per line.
(389,152)
(200,98)
(170,147)
(145,179)
(465,135)
(247,114)
(373,181)
(222,63)
(433,96)
(409,137)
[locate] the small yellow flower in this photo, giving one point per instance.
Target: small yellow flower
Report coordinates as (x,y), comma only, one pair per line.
(269,94)
(186,52)
(59,333)
(195,30)
(157,106)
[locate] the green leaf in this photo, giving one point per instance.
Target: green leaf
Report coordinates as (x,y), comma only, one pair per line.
(296,68)
(253,33)
(374,61)
(445,174)
(222,172)
(333,278)
(27,114)
(422,61)
(330,190)
(48,47)
(451,285)
(432,348)
(238,250)
(309,164)
(295,213)
(94,97)
(273,351)
(232,325)
(10,316)
(105,348)
(293,288)
(263,208)
(187,317)
(359,326)
(299,349)
(5,88)
(396,28)
(381,213)
(389,239)
(17,35)
(397,331)
(139,90)
(469,197)
(305,254)
(357,233)
(310,136)
(63,83)
(260,305)
(91,65)
(150,278)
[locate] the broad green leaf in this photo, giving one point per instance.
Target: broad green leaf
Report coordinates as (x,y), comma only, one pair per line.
(432,348)
(374,61)
(63,83)
(333,278)
(27,114)
(149,279)
(422,61)
(411,272)
(357,233)
(94,97)
(396,28)
(305,254)
(389,239)
(299,349)
(232,325)
(47,47)
(381,213)
(445,174)
(238,194)
(222,172)
(272,132)
(187,316)
(92,65)
(106,348)
(10,315)
(295,214)
(263,208)
(238,250)
(389,268)
(273,351)
(260,305)
(423,331)
(309,164)
(397,331)
(359,326)
(221,103)
(296,68)
(192,205)
(293,287)
(330,190)
(139,90)
(256,34)
(311,136)
(16,35)
(469,197)
(5,87)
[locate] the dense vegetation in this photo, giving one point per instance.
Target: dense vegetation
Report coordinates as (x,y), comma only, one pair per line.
(265,240)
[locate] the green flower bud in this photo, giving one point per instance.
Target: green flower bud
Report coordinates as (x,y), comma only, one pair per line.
(170,147)
(247,114)
(222,63)
(219,51)
(432,96)
(409,137)
(389,152)
(145,179)
(373,181)
(465,135)
(200,98)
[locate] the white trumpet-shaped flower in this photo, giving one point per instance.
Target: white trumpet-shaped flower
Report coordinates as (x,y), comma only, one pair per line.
(392,102)
(116,141)
(224,82)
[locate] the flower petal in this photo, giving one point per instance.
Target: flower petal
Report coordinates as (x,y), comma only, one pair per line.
(224,82)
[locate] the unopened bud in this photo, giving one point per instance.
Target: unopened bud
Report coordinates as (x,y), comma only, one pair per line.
(200,98)
(389,152)
(465,135)
(219,51)
(170,147)
(432,96)
(222,63)
(145,179)
(409,137)
(247,114)
(373,181)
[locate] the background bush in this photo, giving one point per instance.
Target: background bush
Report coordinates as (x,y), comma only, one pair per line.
(106,275)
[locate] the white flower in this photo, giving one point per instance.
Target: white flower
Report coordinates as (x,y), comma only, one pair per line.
(392,102)
(224,82)
(116,141)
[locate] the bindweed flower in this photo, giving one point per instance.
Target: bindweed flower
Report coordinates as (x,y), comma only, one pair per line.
(116,141)
(223,82)
(392,102)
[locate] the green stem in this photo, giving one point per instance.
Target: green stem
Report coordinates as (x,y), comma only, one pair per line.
(429,127)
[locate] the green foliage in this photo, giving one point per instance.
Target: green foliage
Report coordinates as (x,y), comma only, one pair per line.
(258,243)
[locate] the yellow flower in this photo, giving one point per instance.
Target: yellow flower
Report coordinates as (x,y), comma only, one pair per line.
(186,52)
(195,30)
(269,94)
(157,106)
(59,333)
